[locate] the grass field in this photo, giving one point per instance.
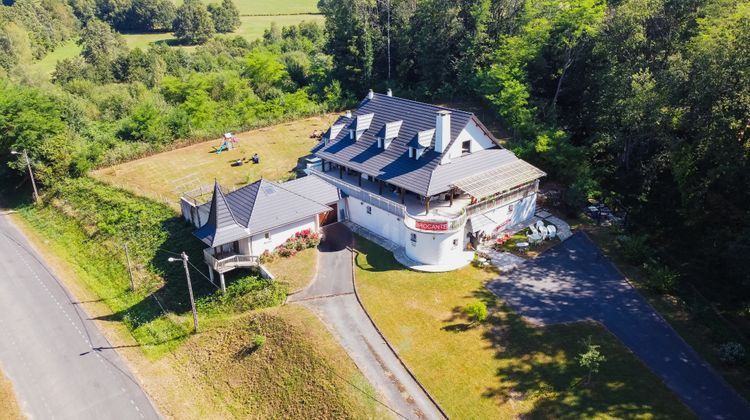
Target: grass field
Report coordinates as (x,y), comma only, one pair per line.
(9,409)
(165,176)
(295,272)
(47,65)
(299,370)
(502,368)
(277,7)
(252,27)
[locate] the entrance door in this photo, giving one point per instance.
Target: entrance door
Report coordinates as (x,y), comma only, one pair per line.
(329,217)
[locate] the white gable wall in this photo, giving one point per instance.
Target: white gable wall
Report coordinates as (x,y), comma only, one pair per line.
(479,141)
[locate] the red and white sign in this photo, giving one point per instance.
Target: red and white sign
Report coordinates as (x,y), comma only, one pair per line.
(431,226)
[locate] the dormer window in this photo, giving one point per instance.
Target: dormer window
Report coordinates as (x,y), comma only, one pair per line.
(466,147)
(412,152)
(361,124)
(380,142)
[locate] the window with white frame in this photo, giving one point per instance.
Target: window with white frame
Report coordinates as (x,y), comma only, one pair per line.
(267,236)
(466,147)
(413,238)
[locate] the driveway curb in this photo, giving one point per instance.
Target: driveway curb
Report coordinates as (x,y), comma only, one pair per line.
(387,343)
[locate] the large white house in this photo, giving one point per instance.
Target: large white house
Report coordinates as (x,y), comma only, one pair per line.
(427,179)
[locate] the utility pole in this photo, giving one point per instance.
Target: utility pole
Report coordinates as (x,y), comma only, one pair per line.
(190,287)
(130,270)
(31,173)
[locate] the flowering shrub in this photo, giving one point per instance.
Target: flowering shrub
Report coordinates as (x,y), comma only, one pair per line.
(301,240)
(500,241)
(267,257)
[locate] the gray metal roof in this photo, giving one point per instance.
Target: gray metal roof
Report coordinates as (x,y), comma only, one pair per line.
(221,227)
(313,188)
(254,208)
(392,165)
(424,176)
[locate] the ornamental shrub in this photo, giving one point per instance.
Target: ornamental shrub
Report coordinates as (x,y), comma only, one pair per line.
(259,341)
(635,249)
(731,352)
(477,312)
(661,278)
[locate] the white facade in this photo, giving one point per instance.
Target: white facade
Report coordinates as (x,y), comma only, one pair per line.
(473,133)
(261,242)
(380,222)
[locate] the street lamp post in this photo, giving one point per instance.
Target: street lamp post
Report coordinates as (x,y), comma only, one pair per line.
(31,173)
(184,259)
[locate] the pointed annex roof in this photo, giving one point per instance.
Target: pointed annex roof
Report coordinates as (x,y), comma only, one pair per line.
(252,209)
(221,226)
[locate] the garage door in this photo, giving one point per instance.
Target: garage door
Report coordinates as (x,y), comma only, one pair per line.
(329,217)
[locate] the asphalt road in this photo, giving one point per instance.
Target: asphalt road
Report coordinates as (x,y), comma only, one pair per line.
(331,296)
(574,281)
(60,365)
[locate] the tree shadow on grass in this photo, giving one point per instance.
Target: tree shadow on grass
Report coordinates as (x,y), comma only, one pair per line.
(541,365)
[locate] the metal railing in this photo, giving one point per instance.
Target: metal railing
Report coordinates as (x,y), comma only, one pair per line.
(362,194)
(222,265)
(438,223)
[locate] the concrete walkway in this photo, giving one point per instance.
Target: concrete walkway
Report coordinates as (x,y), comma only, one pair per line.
(331,296)
(574,281)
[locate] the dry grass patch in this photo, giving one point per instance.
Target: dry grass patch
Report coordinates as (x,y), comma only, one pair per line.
(8,406)
(297,271)
(166,175)
(298,371)
(502,368)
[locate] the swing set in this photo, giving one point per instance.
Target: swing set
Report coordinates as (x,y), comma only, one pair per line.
(228,144)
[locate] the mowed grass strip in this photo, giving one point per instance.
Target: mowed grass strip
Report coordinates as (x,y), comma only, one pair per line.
(502,368)
(165,176)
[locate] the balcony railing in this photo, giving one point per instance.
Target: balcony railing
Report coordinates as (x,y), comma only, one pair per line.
(436,223)
(363,195)
(227,263)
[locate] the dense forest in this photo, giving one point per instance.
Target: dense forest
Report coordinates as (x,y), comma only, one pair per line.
(641,103)
(645,103)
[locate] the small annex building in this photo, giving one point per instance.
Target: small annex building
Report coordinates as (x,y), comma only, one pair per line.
(240,225)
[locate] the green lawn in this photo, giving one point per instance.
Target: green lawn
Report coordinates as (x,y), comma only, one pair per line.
(47,64)
(277,7)
(165,176)
(252,27)
(295,272)
(504,368)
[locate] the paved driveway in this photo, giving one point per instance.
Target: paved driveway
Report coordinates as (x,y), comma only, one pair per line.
(574,281)
(331,297)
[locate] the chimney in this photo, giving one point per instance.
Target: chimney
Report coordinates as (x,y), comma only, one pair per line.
(389,92)
(348,114)
(370,94)
(442,130)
